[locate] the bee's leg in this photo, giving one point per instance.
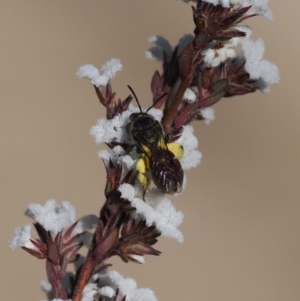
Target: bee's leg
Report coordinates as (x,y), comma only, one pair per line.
(129,148)
(168,138)
(142,167)
(139,150)
(176,149)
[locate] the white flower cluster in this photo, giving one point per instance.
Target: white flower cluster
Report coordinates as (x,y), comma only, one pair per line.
(128,287)
(213,57)
(100,78)
(105,285)
(190,95)
(119,156)
(259,69)
(110,282)
(53,217)
(256,66)
(191,157)
(162,213)
(208,114)
(22,238)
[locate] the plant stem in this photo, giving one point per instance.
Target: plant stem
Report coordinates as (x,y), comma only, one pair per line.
(175,103)
(84,276)
(169,117)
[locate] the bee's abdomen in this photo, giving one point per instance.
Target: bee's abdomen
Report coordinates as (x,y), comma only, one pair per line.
(166,171)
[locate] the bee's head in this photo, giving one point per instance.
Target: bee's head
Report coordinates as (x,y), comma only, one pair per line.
(141,120)
(141,115)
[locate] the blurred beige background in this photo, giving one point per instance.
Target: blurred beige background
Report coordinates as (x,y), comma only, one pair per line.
(241,204)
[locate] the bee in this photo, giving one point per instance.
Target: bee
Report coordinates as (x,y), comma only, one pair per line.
(159,159)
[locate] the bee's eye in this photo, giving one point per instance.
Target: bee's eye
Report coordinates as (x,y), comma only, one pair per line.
(133,116)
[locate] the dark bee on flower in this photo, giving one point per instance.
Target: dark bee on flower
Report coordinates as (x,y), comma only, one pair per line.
(160,159)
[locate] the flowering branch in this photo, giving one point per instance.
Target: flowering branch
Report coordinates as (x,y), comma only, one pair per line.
(148,151)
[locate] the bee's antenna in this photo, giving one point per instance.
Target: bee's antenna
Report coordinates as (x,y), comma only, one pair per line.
(156,101)
(159,98)
(131,90)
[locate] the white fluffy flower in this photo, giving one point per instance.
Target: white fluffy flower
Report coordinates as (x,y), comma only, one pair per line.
(89,292)
(190,95)
(111,130)
(191,156)
(52,216)
(107,291)
(117,155)
(163,214)
(208,114)
(259,7)
(100,78)
(22,238)
(46,286)
(128,287)
(255,65)
(214,57)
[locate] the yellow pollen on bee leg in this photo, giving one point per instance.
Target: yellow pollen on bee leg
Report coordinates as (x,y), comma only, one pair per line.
(142,167)
(176,149)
